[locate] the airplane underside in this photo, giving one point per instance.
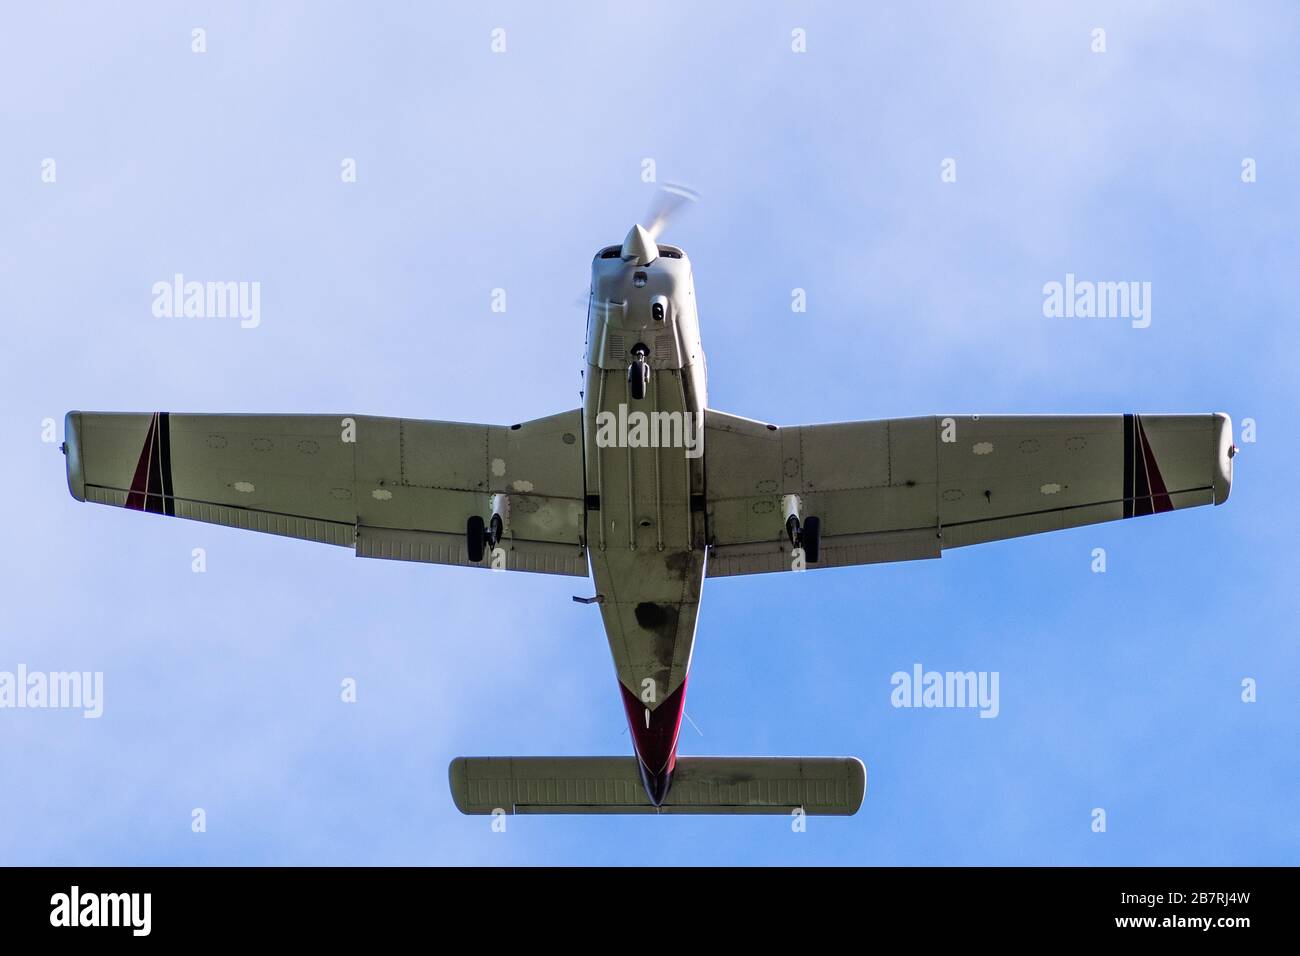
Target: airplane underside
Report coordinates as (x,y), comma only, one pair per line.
(648,492)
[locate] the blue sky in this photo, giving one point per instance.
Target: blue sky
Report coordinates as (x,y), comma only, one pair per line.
(819,171)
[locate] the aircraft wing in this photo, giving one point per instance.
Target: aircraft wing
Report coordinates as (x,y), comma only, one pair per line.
(389,487)
(908,488)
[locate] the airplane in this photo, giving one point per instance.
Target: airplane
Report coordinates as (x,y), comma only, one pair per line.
(648,491)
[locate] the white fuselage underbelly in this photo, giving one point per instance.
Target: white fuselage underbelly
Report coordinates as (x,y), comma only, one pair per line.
(645,525)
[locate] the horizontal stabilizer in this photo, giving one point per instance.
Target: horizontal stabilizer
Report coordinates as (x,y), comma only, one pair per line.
(824,786)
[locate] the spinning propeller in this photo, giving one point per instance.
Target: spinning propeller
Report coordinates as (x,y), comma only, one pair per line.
(641,245)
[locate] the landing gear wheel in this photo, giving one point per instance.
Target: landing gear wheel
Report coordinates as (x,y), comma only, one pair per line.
(475,537)
(638,376)
(812,538)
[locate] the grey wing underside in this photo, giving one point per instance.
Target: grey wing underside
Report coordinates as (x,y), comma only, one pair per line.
(388,487)
(909,488)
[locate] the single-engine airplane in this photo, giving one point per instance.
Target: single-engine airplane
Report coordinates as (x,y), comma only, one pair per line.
(649,491)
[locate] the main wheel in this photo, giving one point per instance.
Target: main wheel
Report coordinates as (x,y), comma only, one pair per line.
(812,538)
(474,538)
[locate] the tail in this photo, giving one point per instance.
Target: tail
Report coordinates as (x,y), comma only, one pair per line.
(819,786)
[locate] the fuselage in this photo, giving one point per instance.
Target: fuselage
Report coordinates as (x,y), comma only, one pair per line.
(645,487)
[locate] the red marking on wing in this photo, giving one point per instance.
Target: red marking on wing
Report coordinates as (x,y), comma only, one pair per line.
(137,497)
(1160,500)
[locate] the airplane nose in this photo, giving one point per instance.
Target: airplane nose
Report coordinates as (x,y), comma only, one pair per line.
(639,247)
(656,784)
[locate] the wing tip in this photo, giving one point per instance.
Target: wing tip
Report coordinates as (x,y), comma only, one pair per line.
(458,779)
(1226,451)
(858,781)
(72,455)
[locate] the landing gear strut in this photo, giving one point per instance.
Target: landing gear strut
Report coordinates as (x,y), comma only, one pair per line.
(804,533)
(638,373)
